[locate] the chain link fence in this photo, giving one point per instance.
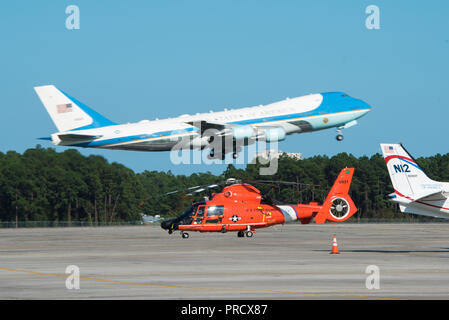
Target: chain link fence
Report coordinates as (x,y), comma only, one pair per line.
(62,224)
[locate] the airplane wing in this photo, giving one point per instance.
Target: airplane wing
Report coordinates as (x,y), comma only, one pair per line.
(248,133)
(429,195)
(225,128)
(420,197)
(205,125)
(77,137)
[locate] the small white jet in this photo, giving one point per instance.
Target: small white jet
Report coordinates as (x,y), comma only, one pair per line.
(80,126)
(413,190)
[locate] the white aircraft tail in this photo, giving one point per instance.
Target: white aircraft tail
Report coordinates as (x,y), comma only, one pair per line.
(407,177)
(68,113)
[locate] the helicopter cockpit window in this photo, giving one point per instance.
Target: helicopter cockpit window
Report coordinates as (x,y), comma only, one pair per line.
(189,212)
(200,212)
(199,215)
(215,211)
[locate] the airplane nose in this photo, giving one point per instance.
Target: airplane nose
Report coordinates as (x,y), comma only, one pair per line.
(363,106)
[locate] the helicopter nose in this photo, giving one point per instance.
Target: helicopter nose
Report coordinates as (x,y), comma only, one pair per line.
(169,224)
(166,224)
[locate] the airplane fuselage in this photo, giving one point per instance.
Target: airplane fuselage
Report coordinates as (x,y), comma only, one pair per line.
(296,115)
(436,205)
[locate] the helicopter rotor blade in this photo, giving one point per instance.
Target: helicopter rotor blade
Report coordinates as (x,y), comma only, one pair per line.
(283,182)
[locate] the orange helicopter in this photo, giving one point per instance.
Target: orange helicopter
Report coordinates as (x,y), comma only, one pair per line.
(242,208)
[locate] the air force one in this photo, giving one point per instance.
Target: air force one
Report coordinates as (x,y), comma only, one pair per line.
(413,190)
(80,126)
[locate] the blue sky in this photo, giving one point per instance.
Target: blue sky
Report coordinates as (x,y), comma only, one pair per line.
(134,60)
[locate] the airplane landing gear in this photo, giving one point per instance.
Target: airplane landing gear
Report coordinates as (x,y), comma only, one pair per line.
(339,136)
(241,234)
(225,148)
(212,155)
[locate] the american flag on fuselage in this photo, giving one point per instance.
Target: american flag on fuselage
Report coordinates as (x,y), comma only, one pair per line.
(388,149)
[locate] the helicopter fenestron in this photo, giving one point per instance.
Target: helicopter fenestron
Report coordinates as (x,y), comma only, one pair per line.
(242,208)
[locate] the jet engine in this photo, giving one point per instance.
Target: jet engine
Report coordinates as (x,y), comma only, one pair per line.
(243,132)
(274,134)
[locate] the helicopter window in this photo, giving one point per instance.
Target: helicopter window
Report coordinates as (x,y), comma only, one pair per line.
(199,215)
(215,211)
(200,212)
(189,212)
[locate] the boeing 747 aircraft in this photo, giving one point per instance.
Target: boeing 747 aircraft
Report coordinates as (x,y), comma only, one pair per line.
(414,191)
(80,126)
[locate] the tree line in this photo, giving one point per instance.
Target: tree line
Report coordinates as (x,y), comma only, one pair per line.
(44,185)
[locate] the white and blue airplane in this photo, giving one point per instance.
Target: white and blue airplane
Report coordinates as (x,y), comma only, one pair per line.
(80,126)
(414,191)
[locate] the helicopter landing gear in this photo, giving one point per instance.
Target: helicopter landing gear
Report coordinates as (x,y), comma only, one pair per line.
(248,233)
(339,136)
(184,235)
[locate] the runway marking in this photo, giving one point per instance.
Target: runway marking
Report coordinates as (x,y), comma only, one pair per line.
(202,288)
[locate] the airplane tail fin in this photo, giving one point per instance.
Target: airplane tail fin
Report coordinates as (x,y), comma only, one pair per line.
(407,177)
(68,113)
(338,205)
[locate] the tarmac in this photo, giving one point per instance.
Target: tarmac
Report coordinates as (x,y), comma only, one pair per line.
(281,262)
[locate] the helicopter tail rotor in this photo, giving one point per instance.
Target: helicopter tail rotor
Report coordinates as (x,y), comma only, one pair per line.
(338,205)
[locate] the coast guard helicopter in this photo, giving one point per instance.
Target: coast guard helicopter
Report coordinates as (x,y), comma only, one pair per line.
(242,208)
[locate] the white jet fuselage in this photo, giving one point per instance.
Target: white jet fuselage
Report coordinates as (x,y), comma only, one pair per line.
(81,126)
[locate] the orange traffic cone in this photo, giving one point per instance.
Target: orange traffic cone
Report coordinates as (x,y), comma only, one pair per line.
(334,246)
